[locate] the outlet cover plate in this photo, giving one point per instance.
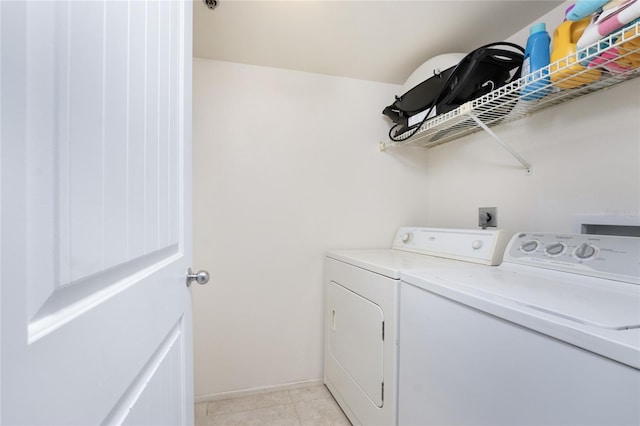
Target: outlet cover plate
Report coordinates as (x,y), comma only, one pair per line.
(491,220)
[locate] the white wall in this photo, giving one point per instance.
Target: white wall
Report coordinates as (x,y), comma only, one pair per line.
(286,166)
(585,156)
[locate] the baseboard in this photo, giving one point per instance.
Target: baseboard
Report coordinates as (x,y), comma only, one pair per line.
(256,391)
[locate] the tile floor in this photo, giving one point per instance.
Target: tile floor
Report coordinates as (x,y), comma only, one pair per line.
(309,406)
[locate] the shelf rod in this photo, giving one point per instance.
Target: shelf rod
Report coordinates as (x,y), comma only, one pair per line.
(504,145)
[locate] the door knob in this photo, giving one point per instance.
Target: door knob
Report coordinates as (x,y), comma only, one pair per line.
(201,277)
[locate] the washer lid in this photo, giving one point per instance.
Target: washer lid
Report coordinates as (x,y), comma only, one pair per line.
(596,314)
(596,302)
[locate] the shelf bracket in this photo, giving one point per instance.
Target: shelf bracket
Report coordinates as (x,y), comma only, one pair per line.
(517,156)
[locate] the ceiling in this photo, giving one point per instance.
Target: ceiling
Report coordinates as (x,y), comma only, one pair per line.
(370,40)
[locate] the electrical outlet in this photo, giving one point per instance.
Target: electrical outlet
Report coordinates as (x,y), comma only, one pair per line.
(488,217)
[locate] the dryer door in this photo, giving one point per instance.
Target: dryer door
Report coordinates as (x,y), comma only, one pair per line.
(356,337)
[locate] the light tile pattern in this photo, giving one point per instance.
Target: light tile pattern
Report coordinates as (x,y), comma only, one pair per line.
(309,406)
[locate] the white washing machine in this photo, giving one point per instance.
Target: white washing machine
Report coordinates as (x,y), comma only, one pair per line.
(550,337)
(361,312)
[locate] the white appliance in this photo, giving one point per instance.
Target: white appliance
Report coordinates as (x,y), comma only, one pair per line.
(551,336)
(361,312)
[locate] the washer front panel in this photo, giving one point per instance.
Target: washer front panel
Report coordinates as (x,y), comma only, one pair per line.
(462,366)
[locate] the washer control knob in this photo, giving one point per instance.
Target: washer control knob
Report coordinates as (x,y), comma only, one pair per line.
(406,238)
(554,249)
(529,246)
(585,251)
(476,245)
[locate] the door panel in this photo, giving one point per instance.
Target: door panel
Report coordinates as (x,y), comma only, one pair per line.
(116,147)
(95,218)
(137,89)
(146,400)
(87,165)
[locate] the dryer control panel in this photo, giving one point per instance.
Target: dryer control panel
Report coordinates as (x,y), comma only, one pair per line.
(478,246)
(595,255)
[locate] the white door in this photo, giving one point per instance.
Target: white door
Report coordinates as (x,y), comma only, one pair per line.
(95,186)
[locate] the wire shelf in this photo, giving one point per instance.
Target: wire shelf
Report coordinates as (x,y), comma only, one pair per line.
(608,62)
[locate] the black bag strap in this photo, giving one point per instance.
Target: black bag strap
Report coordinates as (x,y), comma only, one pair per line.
(505,58)
(468,66)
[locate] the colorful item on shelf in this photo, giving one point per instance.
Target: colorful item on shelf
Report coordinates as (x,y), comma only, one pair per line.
(608,21)
(629,50)
(536,59)
(566,71)
(585,8)
(620,59)
(607,60)
(613,3)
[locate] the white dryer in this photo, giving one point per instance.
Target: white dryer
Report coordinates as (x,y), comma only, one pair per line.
(551,336)
(361,312)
